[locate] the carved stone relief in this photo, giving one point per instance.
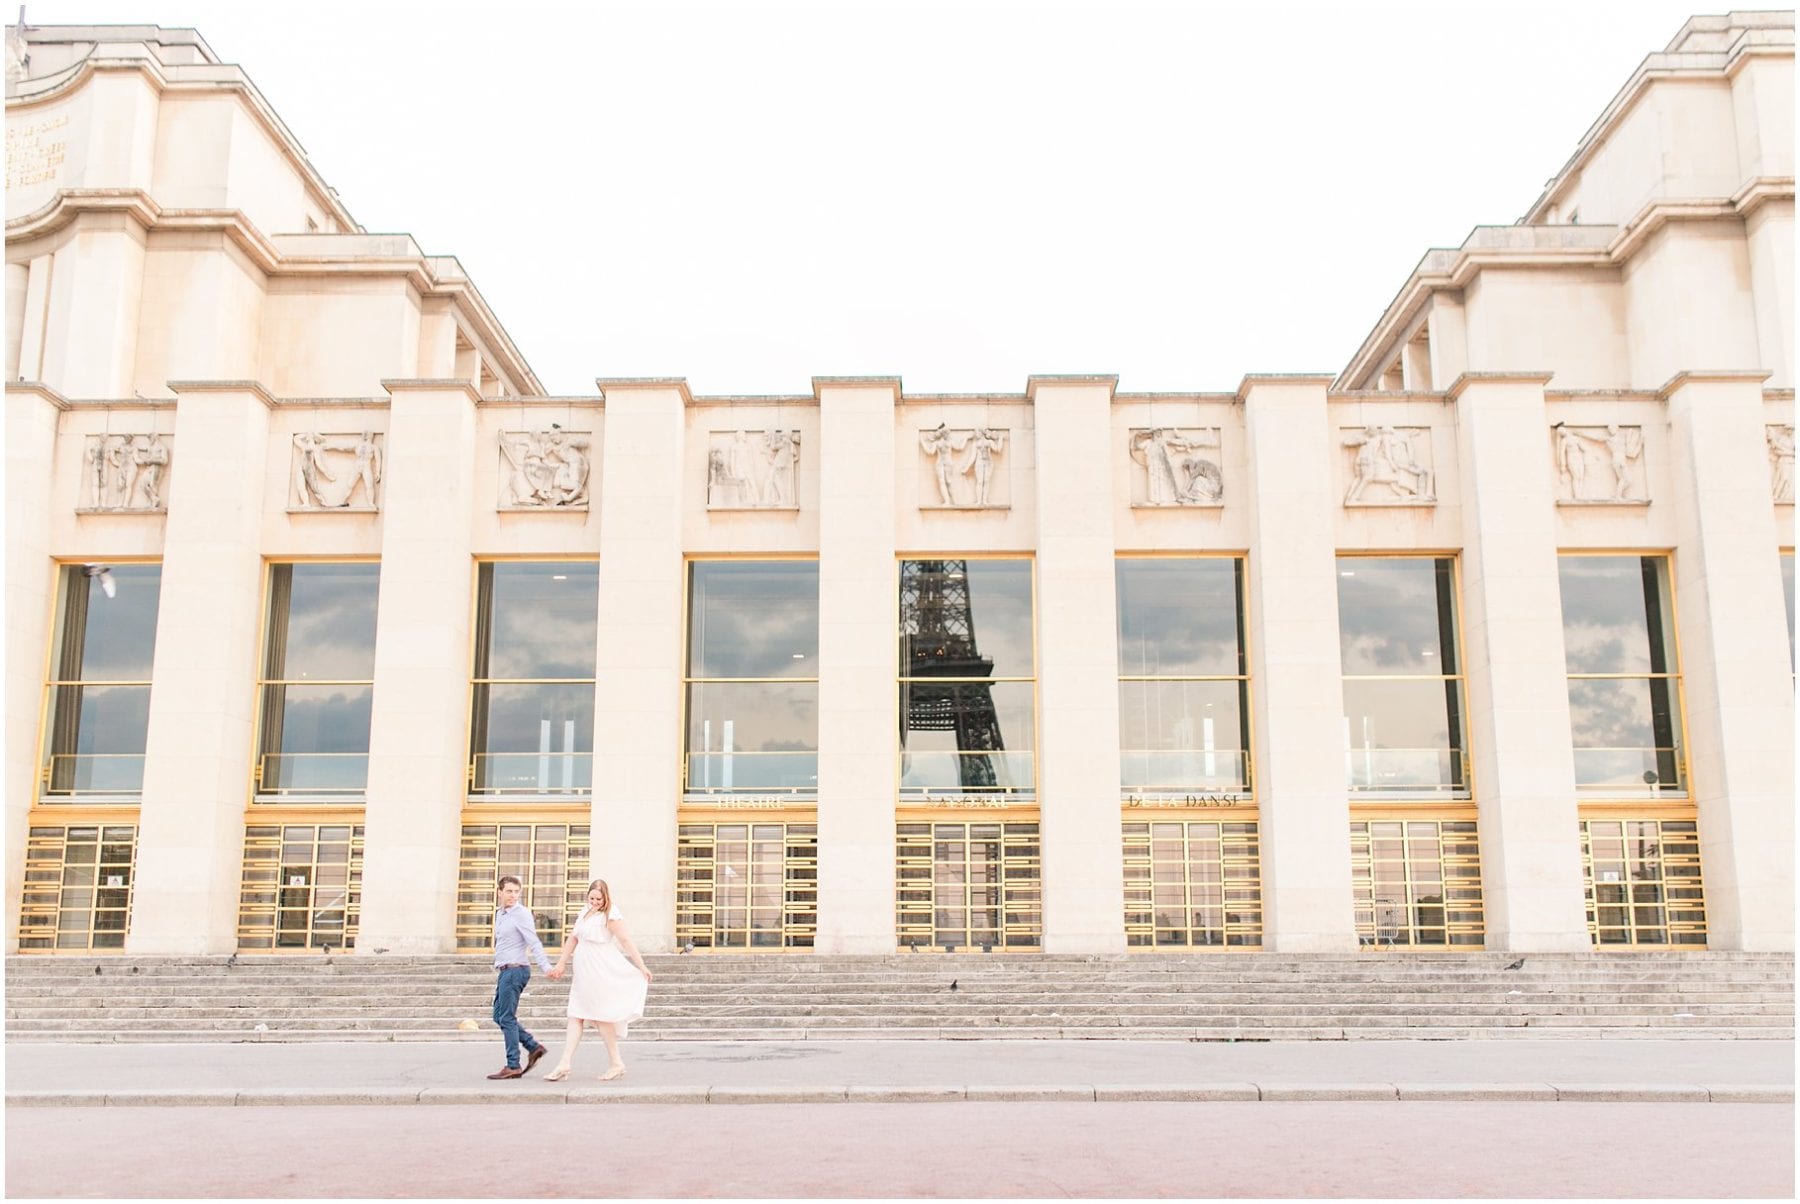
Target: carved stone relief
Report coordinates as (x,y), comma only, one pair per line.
(752,470)
(1781,461)
(1389,466)
(1181,466)
(967,467)
(1599,465)
(125,472)
(337,471)
(545,470)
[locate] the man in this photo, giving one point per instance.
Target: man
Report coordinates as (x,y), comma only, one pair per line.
(515,940)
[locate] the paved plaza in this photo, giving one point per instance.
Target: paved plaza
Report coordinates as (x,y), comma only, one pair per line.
(1618,1069)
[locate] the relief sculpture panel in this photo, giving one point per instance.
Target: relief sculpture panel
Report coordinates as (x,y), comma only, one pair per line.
(1599,465)
(1181,466)
(753,470)
(545,470)
(125,473)
(1389,466)
(967,468)
(1781,461)
(337,471)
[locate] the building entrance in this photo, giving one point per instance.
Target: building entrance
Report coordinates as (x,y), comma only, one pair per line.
(963,886)
(747,885)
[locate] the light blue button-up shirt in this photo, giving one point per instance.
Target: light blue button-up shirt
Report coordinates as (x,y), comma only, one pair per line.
(516,938)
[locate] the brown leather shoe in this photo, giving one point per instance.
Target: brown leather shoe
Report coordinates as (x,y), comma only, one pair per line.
(532,1059)
(508,1072)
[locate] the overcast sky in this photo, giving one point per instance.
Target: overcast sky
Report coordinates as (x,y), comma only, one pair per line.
(964,194)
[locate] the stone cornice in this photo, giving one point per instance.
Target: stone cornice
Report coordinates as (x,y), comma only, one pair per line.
(1365,396)
(1712,377)
(645,383)
(1557,246)
(431,385)
(1278,380)
(1684,67)
(1468,379)
(890,383)
(41,391)
(194,77)
(1213,396)
(252,387)
(70,203)
(428,275)
(1071,381)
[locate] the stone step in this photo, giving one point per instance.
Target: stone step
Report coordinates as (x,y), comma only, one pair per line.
(349,989)
(747,997)
(978,1019)
(1233,1036)
(187,1009)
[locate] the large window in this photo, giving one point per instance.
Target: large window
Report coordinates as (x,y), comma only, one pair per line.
(747,885)
(967,676)
(1192,883)
(531,714)
(1643,881)
(318,679)
(1416,882)
(753,677)
(551,859)
(1787,592)
(77,887)
(1403,685)
(302,886)
(1624,682)
(969,886)
(1184,697)
(99,705)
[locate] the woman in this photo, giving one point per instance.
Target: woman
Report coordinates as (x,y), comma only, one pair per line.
(608,991)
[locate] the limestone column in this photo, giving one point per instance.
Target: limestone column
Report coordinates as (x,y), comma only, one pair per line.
(90,324)
(31,419)
(200,742)
(1736,685)
(418,722)
(1296,669)
(1078,666)
(858,664)
(637,691)
(1513,664)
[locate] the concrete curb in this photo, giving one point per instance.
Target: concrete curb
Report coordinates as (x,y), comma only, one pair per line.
(1635,1093)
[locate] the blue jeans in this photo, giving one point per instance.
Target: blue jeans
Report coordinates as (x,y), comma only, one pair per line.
(506,1013)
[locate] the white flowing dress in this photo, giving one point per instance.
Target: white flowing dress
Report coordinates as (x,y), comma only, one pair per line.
(606,985)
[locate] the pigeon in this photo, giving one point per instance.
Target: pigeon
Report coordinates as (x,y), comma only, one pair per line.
(231,961)
(381,950)
(1516,965)
(687,947)
(953,984)
(96,969)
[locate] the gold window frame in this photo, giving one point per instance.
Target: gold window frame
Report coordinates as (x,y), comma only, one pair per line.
(1020,796)
(1219,854)
(1386,920)
(1441,796)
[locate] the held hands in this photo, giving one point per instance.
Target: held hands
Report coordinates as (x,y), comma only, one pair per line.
(556,971)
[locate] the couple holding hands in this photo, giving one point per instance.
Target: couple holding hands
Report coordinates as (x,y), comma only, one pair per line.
(608,990)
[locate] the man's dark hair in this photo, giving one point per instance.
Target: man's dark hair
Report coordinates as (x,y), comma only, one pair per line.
(501,885)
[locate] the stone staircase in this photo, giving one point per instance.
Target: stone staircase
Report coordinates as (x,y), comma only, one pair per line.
(720,997)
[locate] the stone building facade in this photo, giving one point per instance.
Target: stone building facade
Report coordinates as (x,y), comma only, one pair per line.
(320,614)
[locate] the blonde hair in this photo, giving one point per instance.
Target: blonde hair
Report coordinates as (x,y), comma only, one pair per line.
(605,896)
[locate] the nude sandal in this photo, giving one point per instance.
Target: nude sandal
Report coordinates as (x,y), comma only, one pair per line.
(557,1075)
(617,1072)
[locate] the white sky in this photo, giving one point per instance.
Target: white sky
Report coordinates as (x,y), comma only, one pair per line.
(963,194)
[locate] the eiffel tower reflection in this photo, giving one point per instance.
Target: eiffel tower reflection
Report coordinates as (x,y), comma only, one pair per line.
(937,640)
